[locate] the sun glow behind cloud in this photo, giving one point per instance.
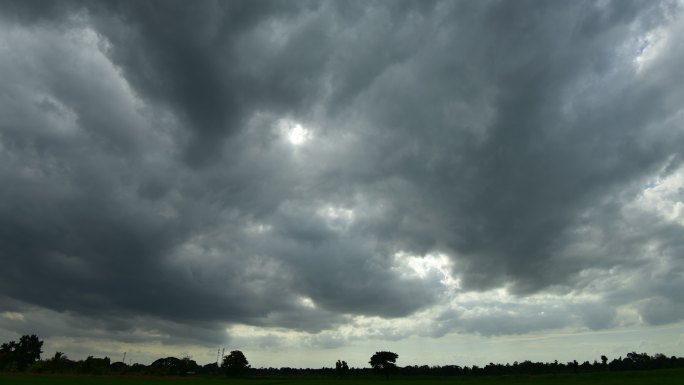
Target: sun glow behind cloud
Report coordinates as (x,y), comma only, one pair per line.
(649,47)
(435,265)
(294,132)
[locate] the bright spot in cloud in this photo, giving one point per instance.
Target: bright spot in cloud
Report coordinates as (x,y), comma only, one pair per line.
(294,132)
(424,266)
(649,47)
(661,197)
(337,217)
(307,302)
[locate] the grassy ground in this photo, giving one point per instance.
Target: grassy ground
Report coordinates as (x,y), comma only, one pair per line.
(657,377)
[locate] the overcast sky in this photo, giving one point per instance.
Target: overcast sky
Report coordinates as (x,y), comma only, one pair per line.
(457,181)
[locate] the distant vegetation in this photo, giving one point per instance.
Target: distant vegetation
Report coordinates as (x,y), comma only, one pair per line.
(24,357)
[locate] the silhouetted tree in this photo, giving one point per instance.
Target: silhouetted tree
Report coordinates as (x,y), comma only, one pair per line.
(341,368)
(119,367)
(574,366)
(211,368)
(137,368)
(19,355)
(384,362)
(165,366)
(235,364)
(58,362)
(93,365)
(187,366)
(7,363)
(174,366)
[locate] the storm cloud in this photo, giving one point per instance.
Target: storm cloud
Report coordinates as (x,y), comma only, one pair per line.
(489,167)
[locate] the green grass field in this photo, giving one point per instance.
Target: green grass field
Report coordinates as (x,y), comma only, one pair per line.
(657,377)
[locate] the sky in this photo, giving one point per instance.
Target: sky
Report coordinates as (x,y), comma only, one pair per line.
(460,182)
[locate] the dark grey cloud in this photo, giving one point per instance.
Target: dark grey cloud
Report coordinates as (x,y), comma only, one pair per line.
(508,198)
(210,62)
(147,172)
(123,328)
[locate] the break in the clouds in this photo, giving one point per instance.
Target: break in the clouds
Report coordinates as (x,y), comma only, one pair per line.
(330,172)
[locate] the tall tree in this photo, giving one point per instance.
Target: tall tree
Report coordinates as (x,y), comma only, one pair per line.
(384,362)
(341,368)
(21,354)
(235,364)
(58,361)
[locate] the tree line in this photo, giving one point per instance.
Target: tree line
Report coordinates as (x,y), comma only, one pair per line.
(25,356)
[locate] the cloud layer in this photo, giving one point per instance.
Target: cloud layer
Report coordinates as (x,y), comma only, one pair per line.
(345,170)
